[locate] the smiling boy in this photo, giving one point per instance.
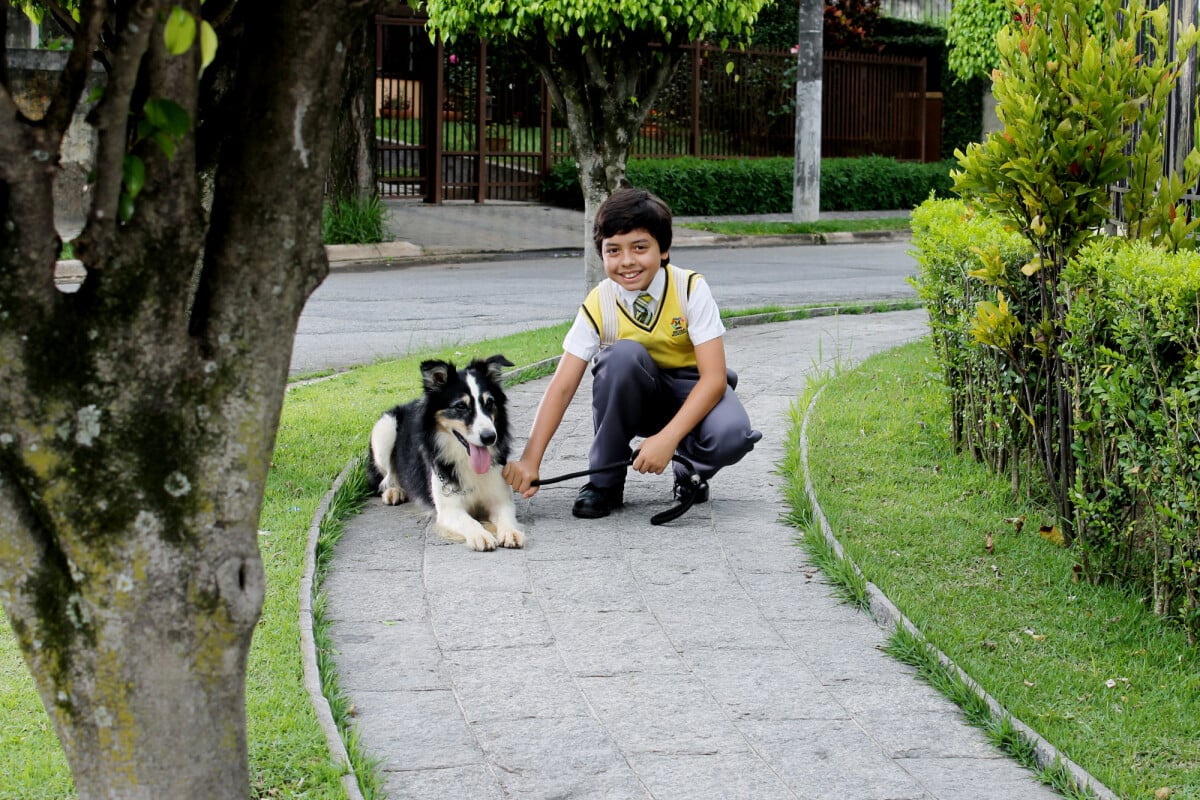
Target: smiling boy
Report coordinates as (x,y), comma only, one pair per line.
(653,335)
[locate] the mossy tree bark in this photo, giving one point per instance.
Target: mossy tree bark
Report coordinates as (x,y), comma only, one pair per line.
(138,414)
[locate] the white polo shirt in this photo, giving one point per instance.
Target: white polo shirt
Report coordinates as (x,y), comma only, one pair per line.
(704,318)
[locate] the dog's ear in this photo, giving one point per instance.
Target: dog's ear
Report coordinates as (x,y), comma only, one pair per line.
(435,374)
(495,367)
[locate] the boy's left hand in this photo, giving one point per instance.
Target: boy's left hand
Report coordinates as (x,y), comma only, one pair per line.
(655,454)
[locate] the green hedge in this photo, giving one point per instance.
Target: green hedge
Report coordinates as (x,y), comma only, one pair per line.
(1134,337)
(950,240)
(702,187)
(1132,347)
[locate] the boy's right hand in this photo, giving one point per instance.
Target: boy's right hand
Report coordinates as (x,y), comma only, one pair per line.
(520,474)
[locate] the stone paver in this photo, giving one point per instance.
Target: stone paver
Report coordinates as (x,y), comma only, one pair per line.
(612,659)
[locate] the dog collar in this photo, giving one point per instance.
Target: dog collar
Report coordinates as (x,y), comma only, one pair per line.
(450,487)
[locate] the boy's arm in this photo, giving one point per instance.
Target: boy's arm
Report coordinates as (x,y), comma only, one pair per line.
(656,451)
(567,377)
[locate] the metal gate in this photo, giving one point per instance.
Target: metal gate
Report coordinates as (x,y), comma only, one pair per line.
(471,130)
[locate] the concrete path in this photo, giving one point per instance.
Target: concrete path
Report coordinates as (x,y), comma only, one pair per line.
(612,659)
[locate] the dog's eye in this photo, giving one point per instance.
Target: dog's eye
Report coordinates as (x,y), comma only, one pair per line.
(460,405)
(488,404)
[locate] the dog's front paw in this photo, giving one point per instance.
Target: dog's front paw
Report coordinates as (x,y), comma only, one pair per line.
(510,537)
(393,496)
(480,540)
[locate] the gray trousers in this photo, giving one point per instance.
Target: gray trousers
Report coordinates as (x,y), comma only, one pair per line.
(632,396)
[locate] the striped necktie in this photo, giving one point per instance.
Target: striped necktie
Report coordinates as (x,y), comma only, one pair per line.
(641,308)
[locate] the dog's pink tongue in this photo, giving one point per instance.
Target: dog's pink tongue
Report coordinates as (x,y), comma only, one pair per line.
(481,459)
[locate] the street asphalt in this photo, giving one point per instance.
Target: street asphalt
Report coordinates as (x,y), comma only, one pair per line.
(707,658)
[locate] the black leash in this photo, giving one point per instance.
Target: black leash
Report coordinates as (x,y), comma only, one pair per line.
(661,518)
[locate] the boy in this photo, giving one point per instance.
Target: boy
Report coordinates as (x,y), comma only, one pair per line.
(654,332)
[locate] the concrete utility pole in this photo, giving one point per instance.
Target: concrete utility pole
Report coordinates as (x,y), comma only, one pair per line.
(806,184)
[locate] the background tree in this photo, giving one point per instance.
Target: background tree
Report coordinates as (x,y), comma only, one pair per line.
(138,414)
(604,66)
(971,36)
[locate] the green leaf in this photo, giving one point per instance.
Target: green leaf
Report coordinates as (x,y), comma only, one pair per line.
(133,173)
(166,144)
(180,31)
(208,44)
(169,116)
(729,67)
(125,207)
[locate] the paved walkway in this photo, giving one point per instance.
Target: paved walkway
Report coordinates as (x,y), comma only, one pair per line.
(611,659)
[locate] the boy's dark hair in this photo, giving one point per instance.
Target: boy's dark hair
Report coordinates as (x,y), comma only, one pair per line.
(627,210)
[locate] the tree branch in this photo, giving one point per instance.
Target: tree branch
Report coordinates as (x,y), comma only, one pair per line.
(62,17)
(74,77)
(28,241)
(112,125)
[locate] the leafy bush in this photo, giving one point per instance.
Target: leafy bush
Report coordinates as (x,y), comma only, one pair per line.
(1131,338)
(1073,79)
(701,187)
(354,221)
(1134,341)
(953,244)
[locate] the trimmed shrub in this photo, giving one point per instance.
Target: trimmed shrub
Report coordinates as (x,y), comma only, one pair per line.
(1131,343)
(951,242)
(709,187)
(1133,337)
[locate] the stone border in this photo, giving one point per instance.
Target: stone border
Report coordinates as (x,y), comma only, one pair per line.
(308,644)
(888,616)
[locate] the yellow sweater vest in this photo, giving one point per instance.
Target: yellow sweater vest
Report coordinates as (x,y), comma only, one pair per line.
(665,337)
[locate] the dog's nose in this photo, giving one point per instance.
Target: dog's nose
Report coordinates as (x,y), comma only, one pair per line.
(488,438)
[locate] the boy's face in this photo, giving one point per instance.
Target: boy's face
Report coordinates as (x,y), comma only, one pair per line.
(632,259)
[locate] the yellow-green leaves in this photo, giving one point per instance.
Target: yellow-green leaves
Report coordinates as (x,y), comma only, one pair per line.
(995,325)
(179,34)
(180,31)
(208,44)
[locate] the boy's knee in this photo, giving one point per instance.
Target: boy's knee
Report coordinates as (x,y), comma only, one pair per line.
(734,442)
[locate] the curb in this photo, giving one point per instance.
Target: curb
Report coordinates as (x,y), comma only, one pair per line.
(887,616)
(308,645)
(402,253)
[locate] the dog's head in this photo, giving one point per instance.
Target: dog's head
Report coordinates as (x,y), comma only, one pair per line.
(469,405)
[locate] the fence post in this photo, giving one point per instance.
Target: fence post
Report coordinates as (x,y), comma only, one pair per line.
(481,121)
(433,125)
(694,144)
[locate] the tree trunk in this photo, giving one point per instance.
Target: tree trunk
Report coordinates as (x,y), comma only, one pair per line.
(806,185)
(352,164)
(605,94)
(138,414)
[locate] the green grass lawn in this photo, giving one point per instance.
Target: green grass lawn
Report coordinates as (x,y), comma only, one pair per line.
(1088,667)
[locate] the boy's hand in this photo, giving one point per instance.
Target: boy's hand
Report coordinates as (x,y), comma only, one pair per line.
(655,454)
(520,474)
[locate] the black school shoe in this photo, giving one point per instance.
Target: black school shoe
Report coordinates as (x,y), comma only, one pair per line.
(595,501)
(689,493)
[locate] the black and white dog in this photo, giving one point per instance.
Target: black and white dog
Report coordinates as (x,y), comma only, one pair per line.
(446,450)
